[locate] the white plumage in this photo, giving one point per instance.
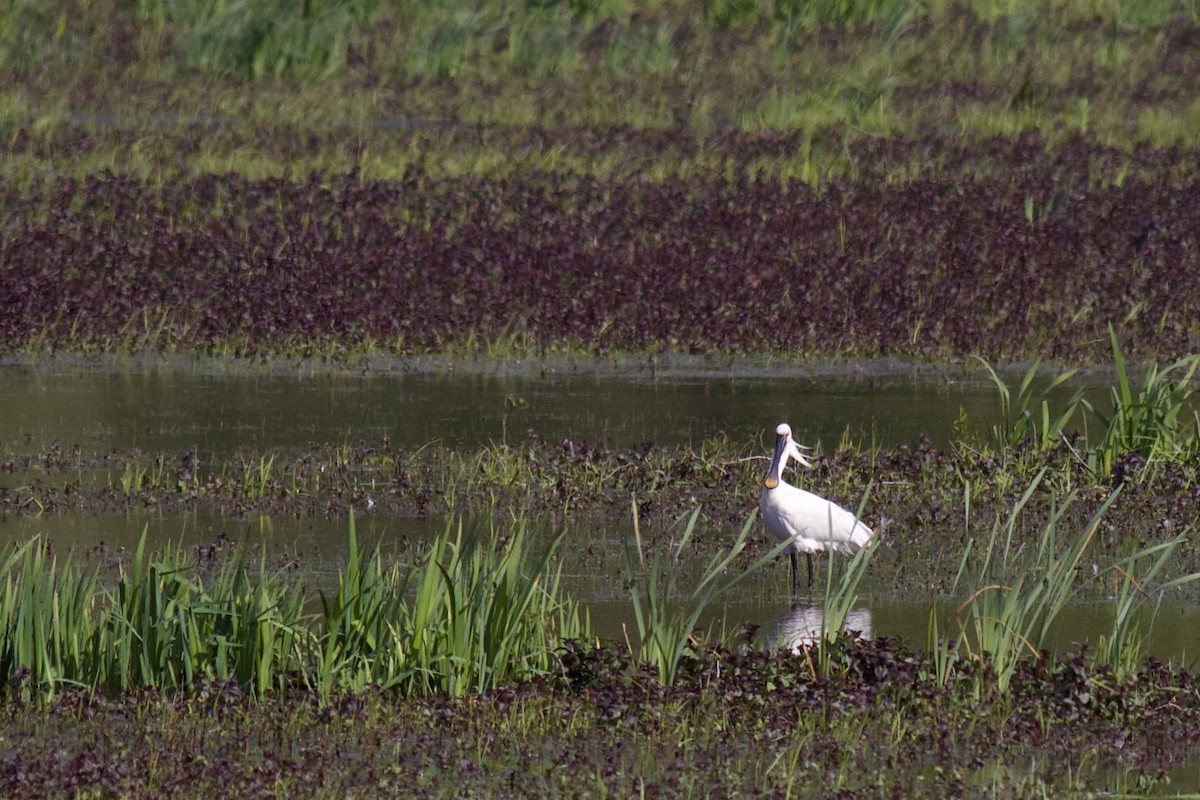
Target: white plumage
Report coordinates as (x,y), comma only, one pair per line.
(811,523)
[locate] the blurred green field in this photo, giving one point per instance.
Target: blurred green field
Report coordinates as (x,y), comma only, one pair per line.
(164,85)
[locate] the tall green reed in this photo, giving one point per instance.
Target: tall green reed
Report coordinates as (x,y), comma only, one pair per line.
(1151,419)
(1124,646)
(159,626)
(1024,587)
(1025,415)
(47,621)
(841,594)
(1156,419)
(486,607)
(166,628)
(667,616)
(355,622)
(1023,584)
(483,607)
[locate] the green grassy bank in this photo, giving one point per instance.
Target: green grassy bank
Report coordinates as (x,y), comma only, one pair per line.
(264,88)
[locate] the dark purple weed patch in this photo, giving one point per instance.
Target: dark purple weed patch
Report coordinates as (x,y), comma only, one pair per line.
(1037,260)
(745,723)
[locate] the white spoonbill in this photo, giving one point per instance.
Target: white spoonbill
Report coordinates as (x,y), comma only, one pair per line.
(811,523)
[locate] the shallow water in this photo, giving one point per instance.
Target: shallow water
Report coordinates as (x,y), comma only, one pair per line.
(175,405)
(316,548)
(219,408)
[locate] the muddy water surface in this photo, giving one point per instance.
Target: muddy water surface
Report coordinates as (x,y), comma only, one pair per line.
(315,550)
(165,406)
(170,406)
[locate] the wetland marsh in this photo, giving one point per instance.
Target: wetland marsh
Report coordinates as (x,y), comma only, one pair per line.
(268,461)
(383,397)
(227,416)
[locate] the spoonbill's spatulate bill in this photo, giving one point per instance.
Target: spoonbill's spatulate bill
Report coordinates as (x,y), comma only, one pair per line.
(809,522)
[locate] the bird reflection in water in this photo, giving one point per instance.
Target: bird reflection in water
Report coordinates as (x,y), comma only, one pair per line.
(800,626)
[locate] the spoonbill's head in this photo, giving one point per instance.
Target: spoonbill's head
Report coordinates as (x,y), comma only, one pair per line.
(785,448)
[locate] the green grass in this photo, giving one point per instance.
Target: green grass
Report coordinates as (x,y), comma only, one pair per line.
(1022,589)
(226,87)
(1026,417)
(1017,585)
(841,596)
(1138,586)
(482,609)
(1155,420)
(666,615)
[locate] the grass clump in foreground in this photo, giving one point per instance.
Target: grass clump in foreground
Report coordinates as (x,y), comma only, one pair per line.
(479,612)
(666,617)
(1022,583)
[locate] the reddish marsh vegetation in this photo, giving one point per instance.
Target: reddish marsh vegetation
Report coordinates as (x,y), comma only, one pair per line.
(1005,263)
(750,724)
